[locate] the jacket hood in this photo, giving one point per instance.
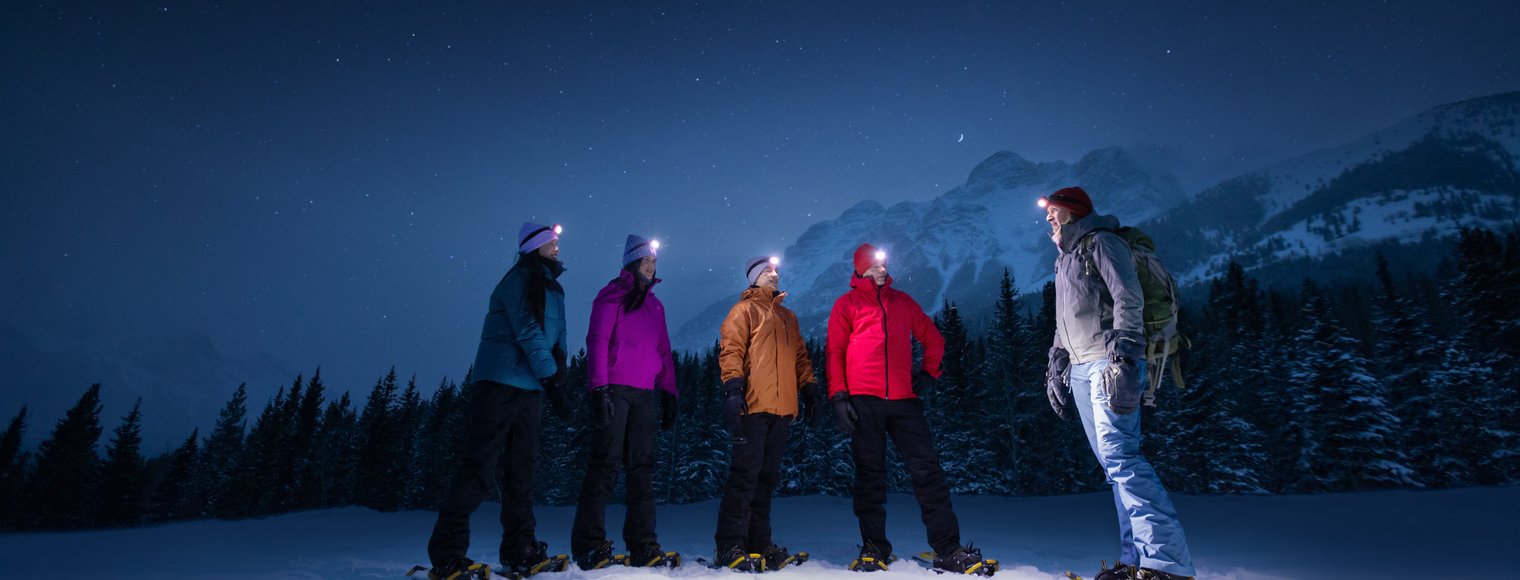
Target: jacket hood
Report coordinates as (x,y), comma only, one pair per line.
(762,294)
(865,283)
(1074,232)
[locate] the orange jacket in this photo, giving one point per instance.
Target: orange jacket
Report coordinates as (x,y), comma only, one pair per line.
(762,343)
(869,350)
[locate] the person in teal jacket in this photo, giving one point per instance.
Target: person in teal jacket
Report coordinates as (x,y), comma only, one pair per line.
(521,360)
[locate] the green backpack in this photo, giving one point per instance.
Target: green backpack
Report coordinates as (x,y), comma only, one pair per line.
(1162,340)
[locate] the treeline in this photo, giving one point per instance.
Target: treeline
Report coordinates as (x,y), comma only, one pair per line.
(1391,383)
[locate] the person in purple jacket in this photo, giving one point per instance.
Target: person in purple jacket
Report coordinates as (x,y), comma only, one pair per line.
(633,389)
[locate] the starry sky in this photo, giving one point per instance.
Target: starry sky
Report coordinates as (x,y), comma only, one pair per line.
(341,183)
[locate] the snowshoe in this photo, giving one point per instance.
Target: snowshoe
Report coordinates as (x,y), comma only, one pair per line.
(1149,574)
(650,555)
(1119,571)
(531,560)
(456,569)
(600,557)
(961,561)
(736,559)
(872,559)
(776,557)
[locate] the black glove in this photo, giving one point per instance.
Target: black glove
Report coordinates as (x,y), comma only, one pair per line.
(1121,380)
(734,405)
(600,401)
(668,410)
(922,382)
(1056,386)
(554,391)
(810,399)
(844,413)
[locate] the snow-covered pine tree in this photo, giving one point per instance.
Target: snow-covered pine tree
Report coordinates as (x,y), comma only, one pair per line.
(1406,350)
(1342,409)
(120,491)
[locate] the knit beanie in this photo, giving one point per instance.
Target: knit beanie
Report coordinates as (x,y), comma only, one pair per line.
(1072,199)
(636,248)
(756,266)
(865,258)
(533,236)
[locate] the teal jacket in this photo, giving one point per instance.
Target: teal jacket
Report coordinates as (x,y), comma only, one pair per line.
(514,348)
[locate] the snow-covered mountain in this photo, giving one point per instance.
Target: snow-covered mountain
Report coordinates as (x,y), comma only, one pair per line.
(183,383)
(1421,179)
(956,246)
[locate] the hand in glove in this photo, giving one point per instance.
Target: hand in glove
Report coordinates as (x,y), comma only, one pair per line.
(809,400)
(734,405)
(1121,380)
(668,410)
(1056,386)
(844,413)
(922,382)
(554,391)
(600,401)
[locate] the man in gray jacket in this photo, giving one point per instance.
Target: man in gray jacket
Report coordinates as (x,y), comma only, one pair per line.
(1099,357)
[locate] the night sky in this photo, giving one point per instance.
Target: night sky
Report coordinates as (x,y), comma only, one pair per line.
(341,183)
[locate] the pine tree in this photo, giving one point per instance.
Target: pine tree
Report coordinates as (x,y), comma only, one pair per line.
(12,470)
(337,446)
(305,492)
(209,486)
(169,502)
(61,492)
(1347,445)
(257,479)
(439,456)
(409,413)
(1404,351)
(122,479)
(959,410)
(379,468)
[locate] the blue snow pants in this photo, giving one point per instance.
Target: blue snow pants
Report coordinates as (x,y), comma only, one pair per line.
(1150,535)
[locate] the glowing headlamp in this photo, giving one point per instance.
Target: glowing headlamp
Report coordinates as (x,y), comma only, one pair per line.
(654,246)
(775,262)
(881,256)
(1043,202)
(558,229)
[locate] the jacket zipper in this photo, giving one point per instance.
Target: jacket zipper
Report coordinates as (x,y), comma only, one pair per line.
(886,348)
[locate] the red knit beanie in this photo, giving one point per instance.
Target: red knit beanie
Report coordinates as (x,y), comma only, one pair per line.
(1072,199)
(865,257)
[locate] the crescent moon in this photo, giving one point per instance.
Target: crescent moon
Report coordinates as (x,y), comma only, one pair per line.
(963,138)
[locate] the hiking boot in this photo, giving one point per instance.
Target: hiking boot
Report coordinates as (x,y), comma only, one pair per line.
(736,559)
(458,569)
(966,560)
(1120,571)
(596,558)
(872,558)
(532,559)
(1149,574)
(775,557)
(650,555)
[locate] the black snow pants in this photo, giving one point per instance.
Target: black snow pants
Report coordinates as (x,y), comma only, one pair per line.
(903,420)
(501,417)
(629,440)
(744,516)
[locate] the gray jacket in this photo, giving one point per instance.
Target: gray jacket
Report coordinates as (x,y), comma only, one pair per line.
(1097,294)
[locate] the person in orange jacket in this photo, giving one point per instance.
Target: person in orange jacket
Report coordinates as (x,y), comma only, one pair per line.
(874,392)
(765,368)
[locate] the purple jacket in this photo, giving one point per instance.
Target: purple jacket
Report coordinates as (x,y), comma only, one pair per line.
(631,349)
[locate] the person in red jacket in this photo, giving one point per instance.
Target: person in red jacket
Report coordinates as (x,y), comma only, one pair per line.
(874,391)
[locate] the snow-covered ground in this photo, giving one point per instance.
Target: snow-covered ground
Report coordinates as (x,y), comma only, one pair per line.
(1464,533)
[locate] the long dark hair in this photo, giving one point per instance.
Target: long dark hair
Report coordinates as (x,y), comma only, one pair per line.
(539,282)
(634,299)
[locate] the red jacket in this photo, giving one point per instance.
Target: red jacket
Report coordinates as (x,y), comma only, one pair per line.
(869,351)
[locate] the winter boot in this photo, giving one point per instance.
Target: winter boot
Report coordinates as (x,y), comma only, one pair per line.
(1120,571)
(776,557)
(650,555)
(532,559)
(736,559)
(459,569)
(1149,574)
(598,557)
(966,560)
(872,558)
